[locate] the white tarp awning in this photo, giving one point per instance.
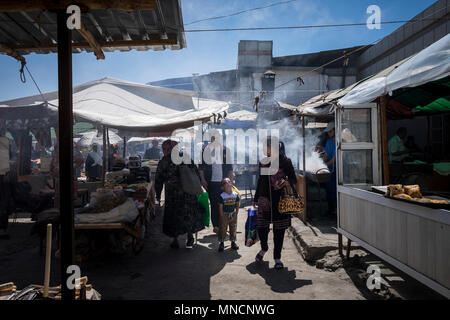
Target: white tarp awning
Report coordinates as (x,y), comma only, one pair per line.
(87,139)
(132,106)
(430,64)
(323,105)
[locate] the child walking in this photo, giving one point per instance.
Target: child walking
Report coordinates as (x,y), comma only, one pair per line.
(228,210)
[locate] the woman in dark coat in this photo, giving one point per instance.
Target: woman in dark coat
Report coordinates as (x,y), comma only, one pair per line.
(267,197)
(93,164)
(182,212)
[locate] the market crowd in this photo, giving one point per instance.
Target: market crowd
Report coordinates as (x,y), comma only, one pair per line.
(183,213)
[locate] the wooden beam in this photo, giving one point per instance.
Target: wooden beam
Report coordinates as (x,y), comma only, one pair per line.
(12,53)
(92,42)
(65,142)
(172,40)
(384,140)
(104,156)
(43,5)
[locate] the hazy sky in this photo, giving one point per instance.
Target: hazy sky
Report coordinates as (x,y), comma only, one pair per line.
(216,51)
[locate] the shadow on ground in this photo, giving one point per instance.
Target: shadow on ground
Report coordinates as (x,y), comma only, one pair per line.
(160,272)
(281,281)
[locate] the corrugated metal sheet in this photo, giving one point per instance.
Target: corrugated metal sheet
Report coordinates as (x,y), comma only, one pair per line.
(26,31)
(312,106)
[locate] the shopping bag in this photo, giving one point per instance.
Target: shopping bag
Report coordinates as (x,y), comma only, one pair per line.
(290,202)
(251,235)
(190,180)
(203,201)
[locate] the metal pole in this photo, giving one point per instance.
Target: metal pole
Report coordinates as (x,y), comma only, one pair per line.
(124,148)
(305,212)
(384,140)
(108,145)
(65,122)
(104,157)
(304,146)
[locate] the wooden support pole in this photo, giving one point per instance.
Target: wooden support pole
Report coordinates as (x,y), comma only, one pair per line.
(305,213)
(104,156)
(304,144)
(124,148)
(92,42)
(108,146)
(65,123)
(349,245)
(384,140)
(48,259)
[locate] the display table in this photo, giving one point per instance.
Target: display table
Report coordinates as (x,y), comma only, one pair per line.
(136,228)
(413,238)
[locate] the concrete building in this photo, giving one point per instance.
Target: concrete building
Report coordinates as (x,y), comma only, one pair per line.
(257,70)
(424,29)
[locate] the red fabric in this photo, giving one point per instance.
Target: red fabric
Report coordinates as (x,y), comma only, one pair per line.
(396,110)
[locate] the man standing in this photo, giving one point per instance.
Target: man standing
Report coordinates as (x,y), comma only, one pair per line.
(153,153)
(397,150)
(93,164)
(330,160)
(212,173)
(78,160)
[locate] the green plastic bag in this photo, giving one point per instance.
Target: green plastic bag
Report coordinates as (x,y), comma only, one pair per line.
(203,200)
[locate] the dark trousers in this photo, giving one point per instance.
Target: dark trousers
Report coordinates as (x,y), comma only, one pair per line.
(214,191)
(278,239)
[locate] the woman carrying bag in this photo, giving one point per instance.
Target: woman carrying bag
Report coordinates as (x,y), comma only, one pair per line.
(182,213)
(270,190)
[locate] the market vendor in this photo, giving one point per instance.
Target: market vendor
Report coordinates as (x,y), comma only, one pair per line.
(77,160)
(329,156)
(93,165)
(153,153)
(397,149)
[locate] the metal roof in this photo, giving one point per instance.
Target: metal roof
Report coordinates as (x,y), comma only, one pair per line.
(113,29)
(322,101)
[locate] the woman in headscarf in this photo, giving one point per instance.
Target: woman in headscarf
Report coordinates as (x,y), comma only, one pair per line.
(182,212)
(93,164)
(267,197)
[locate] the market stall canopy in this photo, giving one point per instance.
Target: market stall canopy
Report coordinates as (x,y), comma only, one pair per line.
(324,104)
(132,107)
(145,140)
(108,25)
(87,139)
(285,105)
(430,64)
(241,119)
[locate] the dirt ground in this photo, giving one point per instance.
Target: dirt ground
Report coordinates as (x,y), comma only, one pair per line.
(159,272)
